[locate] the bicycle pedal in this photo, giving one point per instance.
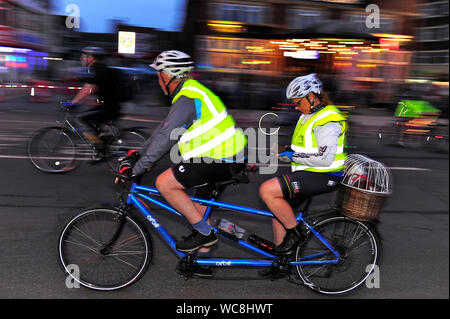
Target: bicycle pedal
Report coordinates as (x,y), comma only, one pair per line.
(183,271)
(184,266)
(274,273)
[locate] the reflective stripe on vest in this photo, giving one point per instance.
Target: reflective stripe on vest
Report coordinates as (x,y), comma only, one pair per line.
(213,134)
(198,151)
(186,137)
(310,143)
(334,167)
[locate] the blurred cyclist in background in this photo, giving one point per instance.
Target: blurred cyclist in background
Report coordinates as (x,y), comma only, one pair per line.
(414,116)
(102,81)
(317,159)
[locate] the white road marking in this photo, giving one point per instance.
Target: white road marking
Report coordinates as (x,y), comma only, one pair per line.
(257,164)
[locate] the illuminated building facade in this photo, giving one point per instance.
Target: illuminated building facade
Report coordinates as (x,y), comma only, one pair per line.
(23,29)
(281,39)
(431,45)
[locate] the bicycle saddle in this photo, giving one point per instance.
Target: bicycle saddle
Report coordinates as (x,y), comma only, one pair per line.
(237,178)
(240,177)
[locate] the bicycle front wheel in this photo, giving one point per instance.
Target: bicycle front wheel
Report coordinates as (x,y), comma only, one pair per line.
(96,254)
(119,147)
(357,245)
(52,150)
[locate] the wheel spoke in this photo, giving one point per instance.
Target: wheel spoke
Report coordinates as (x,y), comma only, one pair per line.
(52,150)
(357,246)
(82,238)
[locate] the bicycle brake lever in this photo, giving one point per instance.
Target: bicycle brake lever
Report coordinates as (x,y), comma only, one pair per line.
(122,176)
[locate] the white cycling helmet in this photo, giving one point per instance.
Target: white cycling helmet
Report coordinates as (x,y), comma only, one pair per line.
(173,62)
(303,85)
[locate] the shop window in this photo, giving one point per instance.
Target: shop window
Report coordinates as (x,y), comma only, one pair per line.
(240,13)
(301,19)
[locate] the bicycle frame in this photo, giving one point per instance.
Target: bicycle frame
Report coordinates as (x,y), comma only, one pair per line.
(69,122)
(137,192)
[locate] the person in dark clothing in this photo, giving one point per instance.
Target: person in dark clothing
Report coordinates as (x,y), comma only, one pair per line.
(101,80)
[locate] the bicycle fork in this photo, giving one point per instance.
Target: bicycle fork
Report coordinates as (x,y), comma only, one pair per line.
(106,250)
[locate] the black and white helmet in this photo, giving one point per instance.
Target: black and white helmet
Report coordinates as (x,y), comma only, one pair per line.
(173,62)
(303,85)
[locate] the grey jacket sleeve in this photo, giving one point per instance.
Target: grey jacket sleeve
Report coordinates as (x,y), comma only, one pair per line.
(181,114)
(327,139)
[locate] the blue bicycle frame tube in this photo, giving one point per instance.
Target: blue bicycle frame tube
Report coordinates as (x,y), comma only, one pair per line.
(166,236)
(134,198)
(211,202)
(234,262)
(318,235)
(257,263)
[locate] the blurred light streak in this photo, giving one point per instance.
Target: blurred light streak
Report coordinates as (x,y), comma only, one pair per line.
(346,42)
(440,83)
(256,62)
(392,36)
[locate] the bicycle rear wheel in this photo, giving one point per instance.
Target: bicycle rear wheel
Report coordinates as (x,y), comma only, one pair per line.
(52,150)
(358,246)
(86,244)
(119,147)
(437,140)
(388,135)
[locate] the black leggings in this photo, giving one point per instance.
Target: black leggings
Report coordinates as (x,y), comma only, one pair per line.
(300,185)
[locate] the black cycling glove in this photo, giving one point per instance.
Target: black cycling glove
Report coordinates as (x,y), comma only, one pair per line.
(127,163)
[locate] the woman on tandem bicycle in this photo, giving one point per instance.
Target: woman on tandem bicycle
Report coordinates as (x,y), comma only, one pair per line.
(316,155)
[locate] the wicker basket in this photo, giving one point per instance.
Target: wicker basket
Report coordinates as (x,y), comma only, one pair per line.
(358,204)
(364,188)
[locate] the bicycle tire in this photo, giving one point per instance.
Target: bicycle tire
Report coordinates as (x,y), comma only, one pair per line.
(53,150)
(82,239)
(342,233)
(128,139)
(437,140)
(388,135)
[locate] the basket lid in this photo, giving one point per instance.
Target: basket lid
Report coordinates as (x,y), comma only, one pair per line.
(366,174)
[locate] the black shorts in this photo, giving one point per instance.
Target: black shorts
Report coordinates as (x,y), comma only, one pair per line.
(300,185)
(202,176)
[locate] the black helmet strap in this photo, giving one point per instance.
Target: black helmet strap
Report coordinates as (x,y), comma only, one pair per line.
(167,85)
(314,108)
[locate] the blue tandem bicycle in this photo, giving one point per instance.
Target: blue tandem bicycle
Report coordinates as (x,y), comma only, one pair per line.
(112,249)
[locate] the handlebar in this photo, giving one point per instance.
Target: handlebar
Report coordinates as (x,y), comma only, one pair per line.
(67,105)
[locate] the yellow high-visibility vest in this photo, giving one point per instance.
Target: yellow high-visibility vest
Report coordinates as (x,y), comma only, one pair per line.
(304,141)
